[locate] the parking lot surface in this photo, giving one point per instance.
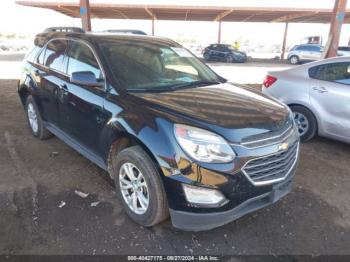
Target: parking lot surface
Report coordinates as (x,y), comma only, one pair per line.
(42,214)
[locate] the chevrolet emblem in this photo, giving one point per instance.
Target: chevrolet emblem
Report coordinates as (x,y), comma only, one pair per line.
(283,146)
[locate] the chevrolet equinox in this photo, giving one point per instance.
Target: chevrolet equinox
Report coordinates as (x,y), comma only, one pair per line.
(176,138)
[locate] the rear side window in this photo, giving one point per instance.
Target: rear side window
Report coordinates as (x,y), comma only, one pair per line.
(54,54)
(335,72)
(40,58)
(344,48)
(81,58)
(32,54)
(315,48)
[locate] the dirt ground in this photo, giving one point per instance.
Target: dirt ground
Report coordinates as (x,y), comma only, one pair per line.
(37,177)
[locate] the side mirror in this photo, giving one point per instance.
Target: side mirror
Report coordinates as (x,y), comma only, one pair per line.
(86,78)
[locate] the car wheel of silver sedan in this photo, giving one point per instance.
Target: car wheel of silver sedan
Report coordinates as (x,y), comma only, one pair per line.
(305,122)
(301,122)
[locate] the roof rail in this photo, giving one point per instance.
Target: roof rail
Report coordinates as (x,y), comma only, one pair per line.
(126,31)
(64,29)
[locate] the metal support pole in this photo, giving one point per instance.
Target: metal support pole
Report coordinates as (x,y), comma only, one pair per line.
(152,26)
(85,14)
(284,41)
(219,32)
(338,15)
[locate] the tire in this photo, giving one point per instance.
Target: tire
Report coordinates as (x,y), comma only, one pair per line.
(230,59)
(206,57)
(303,112)
(157,209)
(33,115)
(294,60)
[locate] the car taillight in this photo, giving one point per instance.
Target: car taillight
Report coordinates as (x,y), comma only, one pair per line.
(269,80)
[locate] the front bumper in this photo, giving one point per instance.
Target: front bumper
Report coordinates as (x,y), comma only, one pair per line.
(204,221)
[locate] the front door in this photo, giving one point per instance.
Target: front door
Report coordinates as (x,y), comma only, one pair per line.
(330,94)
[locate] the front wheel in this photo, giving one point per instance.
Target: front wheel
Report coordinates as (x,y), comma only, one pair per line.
(206,57)
(229,59)
(294,60)
(139,187)
(305,121)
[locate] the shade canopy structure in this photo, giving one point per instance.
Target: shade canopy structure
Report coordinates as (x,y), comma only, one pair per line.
(336,16)
(192,13)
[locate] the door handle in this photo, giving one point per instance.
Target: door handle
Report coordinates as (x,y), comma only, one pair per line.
(320,89)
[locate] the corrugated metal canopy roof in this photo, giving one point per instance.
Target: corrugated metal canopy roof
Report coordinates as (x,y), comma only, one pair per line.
(193,13)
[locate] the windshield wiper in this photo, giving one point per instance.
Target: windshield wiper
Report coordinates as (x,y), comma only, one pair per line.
(175,87)
(194,84)
(148,89)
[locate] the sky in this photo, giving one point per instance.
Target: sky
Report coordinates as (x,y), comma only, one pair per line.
(29,21)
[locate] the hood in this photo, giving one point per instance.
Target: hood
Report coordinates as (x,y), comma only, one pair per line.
(230,110)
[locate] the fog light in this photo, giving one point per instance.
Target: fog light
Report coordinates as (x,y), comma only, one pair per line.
(203,196)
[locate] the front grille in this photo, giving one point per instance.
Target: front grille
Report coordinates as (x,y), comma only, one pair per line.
(272,168)
(264,140)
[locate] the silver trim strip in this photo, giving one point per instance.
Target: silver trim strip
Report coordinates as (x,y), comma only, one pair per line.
(272,181)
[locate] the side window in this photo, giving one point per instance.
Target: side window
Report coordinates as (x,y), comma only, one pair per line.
(40,58)
(54,54)
(315,48)
(32,53)
(336,72)
(306,48)
(81,58)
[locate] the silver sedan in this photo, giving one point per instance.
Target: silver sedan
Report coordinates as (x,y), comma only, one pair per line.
(318,93)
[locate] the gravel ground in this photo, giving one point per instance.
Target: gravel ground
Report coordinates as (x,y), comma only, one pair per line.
(41,214)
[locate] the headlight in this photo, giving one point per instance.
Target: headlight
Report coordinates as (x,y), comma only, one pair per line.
(202,145)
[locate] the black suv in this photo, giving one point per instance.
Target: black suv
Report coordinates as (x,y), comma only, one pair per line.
(176,138)
(227,53)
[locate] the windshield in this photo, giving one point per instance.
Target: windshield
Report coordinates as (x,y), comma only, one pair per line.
(231,47)
(151,66)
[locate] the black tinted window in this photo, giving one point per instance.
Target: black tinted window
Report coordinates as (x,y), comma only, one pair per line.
(54,54)
(336,72)
(81,58)
(344,48)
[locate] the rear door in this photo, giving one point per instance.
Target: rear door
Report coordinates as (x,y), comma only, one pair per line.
(82,110)
(330,95)
(315,52)
(50,71)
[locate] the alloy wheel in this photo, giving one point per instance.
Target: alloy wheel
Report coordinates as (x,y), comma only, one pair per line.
(294,60)
(33,118)
(302,123)
(134,188)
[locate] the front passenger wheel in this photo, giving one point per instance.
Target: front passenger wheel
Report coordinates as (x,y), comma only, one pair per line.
(294,60)
(229,59)
(139,187)
(34,120)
